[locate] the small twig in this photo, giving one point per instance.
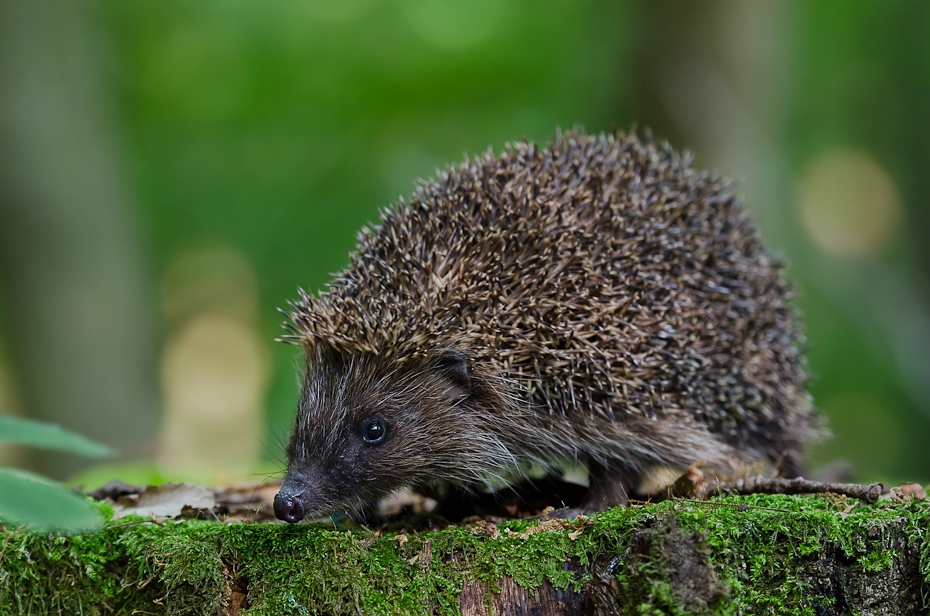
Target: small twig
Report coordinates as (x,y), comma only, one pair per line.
(134,522)
(739,506)
(693,483)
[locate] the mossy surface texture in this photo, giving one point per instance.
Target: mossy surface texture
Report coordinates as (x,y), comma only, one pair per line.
(763,550)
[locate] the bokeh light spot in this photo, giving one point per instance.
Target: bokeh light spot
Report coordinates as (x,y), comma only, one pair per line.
(849,204)
(214,368)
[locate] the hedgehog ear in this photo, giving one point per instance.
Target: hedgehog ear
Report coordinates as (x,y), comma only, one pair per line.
(455,365)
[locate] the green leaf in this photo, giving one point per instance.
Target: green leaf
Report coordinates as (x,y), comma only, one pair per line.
(42,505)
(49,436)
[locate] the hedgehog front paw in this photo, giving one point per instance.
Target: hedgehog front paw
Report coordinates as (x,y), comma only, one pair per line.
(607,488)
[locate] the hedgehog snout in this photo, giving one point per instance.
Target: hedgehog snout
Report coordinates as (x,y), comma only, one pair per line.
(287,506)
(295,500)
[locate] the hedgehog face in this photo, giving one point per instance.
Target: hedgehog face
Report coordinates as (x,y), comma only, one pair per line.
(367,425)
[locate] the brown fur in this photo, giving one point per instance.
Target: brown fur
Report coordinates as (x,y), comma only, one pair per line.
(593,301)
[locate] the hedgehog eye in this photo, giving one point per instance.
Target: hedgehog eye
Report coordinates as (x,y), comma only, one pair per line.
(373,430)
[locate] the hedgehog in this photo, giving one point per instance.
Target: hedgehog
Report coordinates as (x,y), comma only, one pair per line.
(595,302)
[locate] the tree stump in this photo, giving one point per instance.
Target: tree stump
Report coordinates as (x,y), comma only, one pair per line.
(758,554)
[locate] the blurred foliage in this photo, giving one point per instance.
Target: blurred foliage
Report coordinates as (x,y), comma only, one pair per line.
(283,131)
(278,130)
(38,503)
(863,82)
(48,436)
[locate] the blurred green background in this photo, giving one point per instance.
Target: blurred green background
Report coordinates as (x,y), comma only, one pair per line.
(171,172)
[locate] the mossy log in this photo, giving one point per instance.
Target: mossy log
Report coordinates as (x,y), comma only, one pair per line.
(737,555)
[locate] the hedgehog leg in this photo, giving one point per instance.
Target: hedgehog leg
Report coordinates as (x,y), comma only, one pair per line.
(453,503)
(791,465)
(608,486)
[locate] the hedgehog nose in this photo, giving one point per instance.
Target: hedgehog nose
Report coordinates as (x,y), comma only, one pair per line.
(287,507)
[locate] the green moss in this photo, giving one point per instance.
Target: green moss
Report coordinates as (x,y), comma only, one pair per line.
(762,556)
